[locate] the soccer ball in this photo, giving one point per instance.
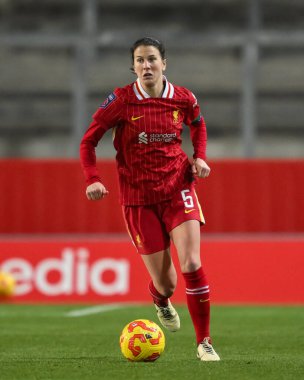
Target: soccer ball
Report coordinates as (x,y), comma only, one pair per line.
(7,284)
(142,341)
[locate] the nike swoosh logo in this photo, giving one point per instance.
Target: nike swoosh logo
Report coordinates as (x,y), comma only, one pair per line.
(187,211)
(133,118)
(204,300)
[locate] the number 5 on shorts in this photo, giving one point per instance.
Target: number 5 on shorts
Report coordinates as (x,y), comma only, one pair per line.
(188,201)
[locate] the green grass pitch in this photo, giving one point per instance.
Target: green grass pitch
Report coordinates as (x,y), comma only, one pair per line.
(44,342)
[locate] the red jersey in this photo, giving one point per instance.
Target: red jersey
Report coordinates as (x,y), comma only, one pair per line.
(147,137)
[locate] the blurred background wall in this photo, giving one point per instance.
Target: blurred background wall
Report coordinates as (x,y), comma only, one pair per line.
(243,59)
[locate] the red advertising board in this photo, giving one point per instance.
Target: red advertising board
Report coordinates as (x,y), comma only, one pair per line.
(109,270)
(240,196)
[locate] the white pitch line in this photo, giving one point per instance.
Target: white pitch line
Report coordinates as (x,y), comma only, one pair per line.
(93,310)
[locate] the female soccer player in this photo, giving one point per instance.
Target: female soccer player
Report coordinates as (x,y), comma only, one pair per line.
(157,181)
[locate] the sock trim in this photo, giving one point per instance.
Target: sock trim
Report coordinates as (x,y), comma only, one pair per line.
(201,290)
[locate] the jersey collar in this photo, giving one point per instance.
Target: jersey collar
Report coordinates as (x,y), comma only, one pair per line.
(141,93)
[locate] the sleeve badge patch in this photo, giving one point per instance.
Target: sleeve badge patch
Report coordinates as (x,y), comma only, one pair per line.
(108,101)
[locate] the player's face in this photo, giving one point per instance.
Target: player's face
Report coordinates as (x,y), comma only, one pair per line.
(149,66)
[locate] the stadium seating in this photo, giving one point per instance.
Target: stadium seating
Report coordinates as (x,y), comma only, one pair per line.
(204,54)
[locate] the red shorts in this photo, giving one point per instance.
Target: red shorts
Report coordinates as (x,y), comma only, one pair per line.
(149,226)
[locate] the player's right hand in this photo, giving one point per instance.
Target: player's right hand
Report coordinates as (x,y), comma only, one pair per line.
(96,191)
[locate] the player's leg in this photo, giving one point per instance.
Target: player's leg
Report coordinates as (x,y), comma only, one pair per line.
(186,238)
(152,241)
(163,275)
(162,285)
(183,219)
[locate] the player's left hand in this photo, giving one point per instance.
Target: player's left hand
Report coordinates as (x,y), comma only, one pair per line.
(200,168)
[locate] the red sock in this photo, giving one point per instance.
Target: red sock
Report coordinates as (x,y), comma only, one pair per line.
(158,298)
(197,292)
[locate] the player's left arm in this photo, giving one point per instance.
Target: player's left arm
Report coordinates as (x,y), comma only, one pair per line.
(198,133)
(200,168)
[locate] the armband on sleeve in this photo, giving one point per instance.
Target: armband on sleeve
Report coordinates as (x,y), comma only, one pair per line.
(198,133)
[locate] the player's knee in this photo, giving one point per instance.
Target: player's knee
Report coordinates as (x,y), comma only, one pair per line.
(190,266)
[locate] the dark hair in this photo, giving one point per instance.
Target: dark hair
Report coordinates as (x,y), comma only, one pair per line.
(147,41)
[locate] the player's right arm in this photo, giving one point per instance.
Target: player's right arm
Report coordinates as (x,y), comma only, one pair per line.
(96,191)
(106,117)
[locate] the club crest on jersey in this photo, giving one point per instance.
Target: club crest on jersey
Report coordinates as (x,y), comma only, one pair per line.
(108,101)
(175,117)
